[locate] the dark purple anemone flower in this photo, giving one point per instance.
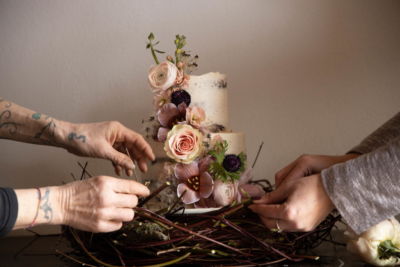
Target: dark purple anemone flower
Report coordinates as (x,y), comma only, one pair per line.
(232,163)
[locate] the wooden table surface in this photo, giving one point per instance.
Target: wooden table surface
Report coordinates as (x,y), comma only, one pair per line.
(42,253)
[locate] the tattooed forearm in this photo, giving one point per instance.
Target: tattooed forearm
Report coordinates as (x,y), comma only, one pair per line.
(74,136)
(45,206)
(48,128)
(21,124)
(6,123)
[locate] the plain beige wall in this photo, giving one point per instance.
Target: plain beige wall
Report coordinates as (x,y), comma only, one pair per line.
(304,76)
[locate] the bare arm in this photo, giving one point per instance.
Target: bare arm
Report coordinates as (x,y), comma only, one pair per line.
(107,140)
(25,125)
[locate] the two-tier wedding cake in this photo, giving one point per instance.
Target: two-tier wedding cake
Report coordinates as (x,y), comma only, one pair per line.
(194,146)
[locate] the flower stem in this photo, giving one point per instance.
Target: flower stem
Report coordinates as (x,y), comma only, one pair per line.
(153,53)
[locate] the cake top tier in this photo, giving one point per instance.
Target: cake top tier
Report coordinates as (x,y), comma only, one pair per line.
(209,91)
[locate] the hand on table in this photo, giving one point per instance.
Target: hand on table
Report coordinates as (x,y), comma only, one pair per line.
(113,141)
(296,205)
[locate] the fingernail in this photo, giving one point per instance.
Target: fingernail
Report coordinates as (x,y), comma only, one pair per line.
(129,172)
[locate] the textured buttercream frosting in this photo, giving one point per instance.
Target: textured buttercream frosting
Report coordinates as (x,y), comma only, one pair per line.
(209,91)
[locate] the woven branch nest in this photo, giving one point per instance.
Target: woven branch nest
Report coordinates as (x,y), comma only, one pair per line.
(231,236)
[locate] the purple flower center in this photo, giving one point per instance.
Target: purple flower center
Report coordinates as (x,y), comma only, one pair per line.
(193,183)
(231,163)
(180,96)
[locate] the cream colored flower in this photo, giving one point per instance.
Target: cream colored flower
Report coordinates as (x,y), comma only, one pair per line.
(184,143)
(369,244)
(162,76)
(195,116)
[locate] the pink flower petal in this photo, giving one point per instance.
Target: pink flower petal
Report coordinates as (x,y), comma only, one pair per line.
(190,196)
(224,193)
(206,185)
(166,114)
(185,171)
(251,190)
(162,134)
(246,176)
(204,163)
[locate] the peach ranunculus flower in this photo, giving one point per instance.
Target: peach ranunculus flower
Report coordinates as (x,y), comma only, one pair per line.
(184,143)
(195,116)
(162,76)
(182,79)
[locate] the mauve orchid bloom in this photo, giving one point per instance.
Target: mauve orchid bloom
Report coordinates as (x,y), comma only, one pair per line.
(168,115)
(195,182)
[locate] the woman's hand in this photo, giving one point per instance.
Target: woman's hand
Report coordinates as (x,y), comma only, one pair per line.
(100,204)
(296,205)
(109,140)
(306,165)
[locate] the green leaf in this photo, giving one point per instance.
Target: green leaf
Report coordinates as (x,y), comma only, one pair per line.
(148,45)
(158,51)
(387,249)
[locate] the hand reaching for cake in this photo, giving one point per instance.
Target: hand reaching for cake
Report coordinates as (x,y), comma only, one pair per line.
(113,141)
(296,205)
(108,140)
(309,164)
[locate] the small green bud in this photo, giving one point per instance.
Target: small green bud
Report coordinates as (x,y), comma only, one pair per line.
(151,36)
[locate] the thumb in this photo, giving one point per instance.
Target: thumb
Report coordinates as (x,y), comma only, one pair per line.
(120,159)
(279,195)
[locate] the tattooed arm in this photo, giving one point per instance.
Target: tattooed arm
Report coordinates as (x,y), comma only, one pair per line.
(21,124)
(98,204)
(108,140)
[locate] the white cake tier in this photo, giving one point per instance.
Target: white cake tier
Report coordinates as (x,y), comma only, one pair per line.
(209,91)
(236,141)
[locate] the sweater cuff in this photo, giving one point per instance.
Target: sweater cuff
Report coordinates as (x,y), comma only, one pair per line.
(8,210)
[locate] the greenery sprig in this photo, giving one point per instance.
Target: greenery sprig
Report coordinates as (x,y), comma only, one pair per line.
(387,249)
(183,59)
(216,167)
(150,45)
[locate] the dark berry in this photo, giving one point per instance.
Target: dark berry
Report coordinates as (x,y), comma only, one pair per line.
(180,96)
(231,163)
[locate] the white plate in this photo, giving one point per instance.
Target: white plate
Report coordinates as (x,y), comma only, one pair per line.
(198,211)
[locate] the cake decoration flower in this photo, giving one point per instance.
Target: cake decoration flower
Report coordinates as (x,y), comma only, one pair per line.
(226,167)
(195,182)
(195,116)
(182,79)
(161,98)
(162,76)
(379,245)
(180,96)
(170,114)
(184,143)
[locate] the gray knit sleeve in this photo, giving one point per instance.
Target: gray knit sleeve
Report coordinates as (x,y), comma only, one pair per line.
(366,190)
(381,136)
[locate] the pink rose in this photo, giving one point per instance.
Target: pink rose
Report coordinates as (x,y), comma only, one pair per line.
(195,116)
(183,143)
(162,76)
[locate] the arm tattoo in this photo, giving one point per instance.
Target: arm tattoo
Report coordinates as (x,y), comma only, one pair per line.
(73,136)
(49,127)
(5,122)
(48,211)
